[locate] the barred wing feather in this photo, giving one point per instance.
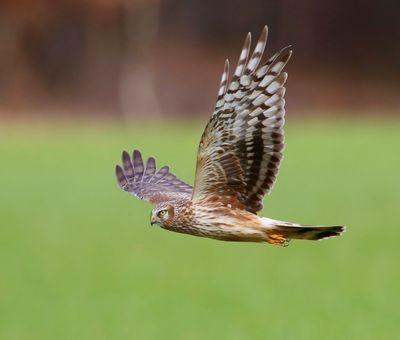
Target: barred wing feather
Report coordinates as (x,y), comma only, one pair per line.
(148,184)
(241,148)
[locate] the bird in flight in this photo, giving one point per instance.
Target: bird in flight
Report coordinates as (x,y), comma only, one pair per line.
(237,162)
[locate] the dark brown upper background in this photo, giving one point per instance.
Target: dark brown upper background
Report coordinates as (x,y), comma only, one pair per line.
(150,58)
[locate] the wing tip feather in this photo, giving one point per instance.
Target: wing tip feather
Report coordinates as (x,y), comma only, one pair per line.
(125,155)
(121,178)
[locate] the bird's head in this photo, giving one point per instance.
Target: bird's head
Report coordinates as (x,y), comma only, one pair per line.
(163,214)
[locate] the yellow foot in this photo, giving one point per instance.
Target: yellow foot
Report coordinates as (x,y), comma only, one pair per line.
(278,240)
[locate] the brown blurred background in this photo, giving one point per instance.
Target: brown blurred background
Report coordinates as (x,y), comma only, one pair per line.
(134,58)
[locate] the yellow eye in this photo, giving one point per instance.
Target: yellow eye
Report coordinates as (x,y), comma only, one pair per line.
(162,213)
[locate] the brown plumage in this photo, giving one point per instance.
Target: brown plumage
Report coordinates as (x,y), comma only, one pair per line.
(237,162)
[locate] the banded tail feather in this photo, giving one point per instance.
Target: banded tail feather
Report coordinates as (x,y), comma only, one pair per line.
(280,232)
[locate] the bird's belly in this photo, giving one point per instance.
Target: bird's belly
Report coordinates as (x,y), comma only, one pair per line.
(223,232)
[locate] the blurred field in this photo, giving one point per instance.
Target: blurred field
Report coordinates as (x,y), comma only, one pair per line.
(79,259)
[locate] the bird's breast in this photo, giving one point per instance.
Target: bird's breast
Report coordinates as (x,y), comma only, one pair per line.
(219,223)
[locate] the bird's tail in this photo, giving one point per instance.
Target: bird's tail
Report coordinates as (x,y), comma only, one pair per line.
(280,232)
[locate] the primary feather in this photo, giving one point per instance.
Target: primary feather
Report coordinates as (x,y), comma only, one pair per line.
(241,148)
(147,184)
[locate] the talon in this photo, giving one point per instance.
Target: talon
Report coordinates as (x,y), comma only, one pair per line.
(278,240)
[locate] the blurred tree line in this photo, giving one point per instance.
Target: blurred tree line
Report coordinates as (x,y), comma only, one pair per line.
(153,57)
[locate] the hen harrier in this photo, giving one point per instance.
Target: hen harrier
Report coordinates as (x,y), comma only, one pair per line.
(237,162)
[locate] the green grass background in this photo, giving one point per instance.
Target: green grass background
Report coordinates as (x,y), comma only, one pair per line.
(79,260)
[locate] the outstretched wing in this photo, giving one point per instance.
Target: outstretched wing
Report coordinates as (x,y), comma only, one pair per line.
(147,184)
(241,148)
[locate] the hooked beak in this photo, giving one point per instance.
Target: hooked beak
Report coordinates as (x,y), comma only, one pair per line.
(152,221)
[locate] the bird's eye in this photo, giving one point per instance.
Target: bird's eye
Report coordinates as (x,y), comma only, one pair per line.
(162,213)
